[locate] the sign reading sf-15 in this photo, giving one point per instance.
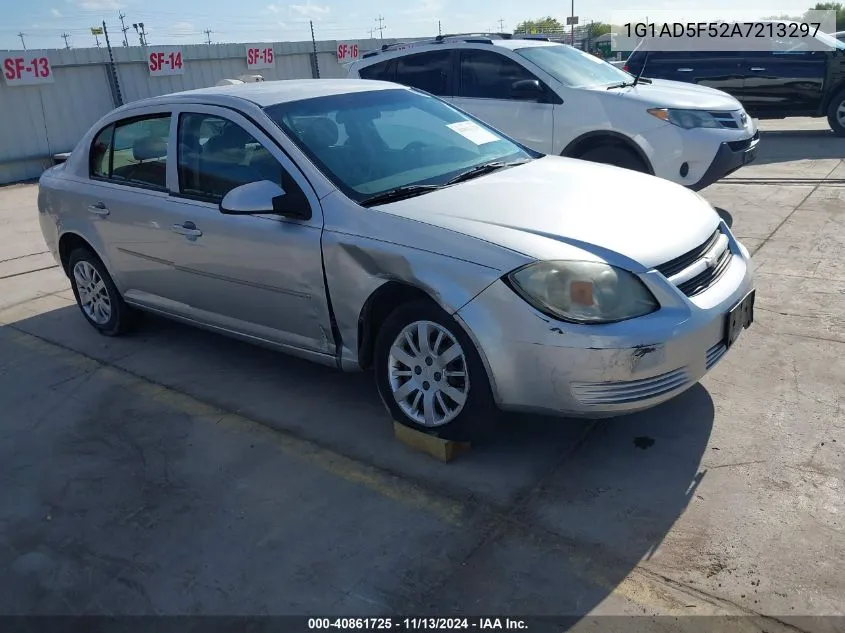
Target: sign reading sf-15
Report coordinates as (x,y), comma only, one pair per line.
(165,61)
(26,71)
(259,56)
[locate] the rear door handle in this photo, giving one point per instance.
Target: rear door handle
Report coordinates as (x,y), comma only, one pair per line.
(188,229)
(685,70)
(757,69)
(98,208)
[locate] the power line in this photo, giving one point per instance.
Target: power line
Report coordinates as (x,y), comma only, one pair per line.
(380,28)
(20,35)
(64,37)
(208,36)
(123,28)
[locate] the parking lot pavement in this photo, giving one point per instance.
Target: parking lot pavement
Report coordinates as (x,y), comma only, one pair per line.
(176,471)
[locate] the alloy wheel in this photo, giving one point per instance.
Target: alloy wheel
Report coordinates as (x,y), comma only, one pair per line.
(93,294)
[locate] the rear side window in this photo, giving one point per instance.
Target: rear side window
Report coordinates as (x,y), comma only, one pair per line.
(99,156)
(488,75)
(383,71)
(427,71)
(132,152)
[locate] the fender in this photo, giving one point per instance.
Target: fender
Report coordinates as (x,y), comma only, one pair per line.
(591,139)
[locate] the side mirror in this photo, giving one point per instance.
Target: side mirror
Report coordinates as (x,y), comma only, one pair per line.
(263,196)
(527,89)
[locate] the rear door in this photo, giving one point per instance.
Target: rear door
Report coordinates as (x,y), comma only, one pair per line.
(484,88)
(714,69)
(787,78)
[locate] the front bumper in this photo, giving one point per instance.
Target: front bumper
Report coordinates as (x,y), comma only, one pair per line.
(731,156)
(538,364)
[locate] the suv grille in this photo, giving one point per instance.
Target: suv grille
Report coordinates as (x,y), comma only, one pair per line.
(739,146)
(706,278)
(725,119)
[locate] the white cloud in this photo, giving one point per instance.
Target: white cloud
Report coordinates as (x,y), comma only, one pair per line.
(274,8)
(429,8)
(182,28)
(55,13)
(100,5)
(309,10)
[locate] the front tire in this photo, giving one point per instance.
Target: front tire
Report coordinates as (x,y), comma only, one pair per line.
(836,113)
(430,376)
(615,155)
(97,296)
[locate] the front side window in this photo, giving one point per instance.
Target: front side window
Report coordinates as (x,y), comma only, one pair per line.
(371,142)
(99,156)
(426,71)
(216,155)
(488,75)
(572,67)
(139,151)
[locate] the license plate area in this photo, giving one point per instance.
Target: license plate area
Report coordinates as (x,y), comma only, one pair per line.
(738,318)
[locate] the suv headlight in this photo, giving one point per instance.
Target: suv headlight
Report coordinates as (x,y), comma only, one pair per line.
(583,292)
(686,119)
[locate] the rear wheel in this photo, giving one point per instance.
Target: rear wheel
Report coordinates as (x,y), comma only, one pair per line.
(836,113)
(97,296)
(615,155)
(430,376)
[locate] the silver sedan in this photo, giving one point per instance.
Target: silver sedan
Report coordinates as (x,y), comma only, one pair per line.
(363,224)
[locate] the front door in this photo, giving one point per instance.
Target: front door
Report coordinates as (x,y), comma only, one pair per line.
(259,275)
(485,90)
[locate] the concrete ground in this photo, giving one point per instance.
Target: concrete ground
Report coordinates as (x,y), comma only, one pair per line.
(178,472)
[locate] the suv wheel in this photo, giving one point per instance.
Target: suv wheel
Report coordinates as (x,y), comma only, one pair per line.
(97,296)
(614,155)
(836,113)
(430,376)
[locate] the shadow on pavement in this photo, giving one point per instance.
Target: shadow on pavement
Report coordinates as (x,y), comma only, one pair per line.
(791,145)
(554,513)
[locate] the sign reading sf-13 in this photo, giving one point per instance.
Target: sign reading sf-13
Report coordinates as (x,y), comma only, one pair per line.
(27,70)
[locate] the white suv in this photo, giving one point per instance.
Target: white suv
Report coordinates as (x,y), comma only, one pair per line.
(556,99)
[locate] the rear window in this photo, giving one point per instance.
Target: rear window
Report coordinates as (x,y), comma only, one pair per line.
(383,71)
(426,71)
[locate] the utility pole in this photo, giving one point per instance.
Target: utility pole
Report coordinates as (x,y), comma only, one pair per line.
(208,36)
(380,28)
(64,37)
(123,28)
(371,32)
(439,30)
(97,39)
(501,25)
(314,45)
(20,35)
(572,35)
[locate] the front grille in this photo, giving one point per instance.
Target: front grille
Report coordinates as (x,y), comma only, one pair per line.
(725,119)
(673,267)
(708,277)
(739,146)
(623,392)
(715,353)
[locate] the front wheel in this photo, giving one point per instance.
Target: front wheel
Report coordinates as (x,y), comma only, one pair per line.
(836,113)
(430,376)
(615,155)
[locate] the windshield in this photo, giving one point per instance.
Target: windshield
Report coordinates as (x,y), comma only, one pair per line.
(830,40)
(371,142)
(574,68)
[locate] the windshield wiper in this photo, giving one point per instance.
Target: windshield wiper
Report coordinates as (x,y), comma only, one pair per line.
(629,84)
(484,168)
(399,193)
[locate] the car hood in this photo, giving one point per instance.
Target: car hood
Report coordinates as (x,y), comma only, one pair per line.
(662,93)
(562,207)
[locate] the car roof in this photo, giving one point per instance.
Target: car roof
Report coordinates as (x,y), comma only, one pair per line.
(267,93)
(428,46)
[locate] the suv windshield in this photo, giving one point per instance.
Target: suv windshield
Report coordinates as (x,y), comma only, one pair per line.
(572,67)
(373,142)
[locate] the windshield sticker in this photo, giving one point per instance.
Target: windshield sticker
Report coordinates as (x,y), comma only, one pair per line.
(473,132)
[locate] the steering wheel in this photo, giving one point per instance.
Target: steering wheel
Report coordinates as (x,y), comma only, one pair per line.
(415,146)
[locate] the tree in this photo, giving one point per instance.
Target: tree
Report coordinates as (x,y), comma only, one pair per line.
(833,6)
(594,29)
(547,24)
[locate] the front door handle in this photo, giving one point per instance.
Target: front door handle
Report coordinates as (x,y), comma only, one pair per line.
(188,229)
(98,208)
(685,70)
(757,69)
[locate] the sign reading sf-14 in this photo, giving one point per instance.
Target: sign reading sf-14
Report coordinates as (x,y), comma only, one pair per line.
(347,51)
(165,62)
(259,57)
(26,71)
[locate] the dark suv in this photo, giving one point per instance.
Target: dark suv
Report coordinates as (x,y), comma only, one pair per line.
(785,80)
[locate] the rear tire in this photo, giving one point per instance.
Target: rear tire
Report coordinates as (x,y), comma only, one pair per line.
(836,113)
(430,376)
(96,295)
(615,155)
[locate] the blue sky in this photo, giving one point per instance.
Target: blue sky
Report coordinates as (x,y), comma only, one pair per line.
(183,21)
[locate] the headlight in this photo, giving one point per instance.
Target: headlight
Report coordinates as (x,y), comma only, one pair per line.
(686,119)
(583,292)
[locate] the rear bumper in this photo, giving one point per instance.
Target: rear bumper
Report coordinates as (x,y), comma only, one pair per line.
(731,156)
